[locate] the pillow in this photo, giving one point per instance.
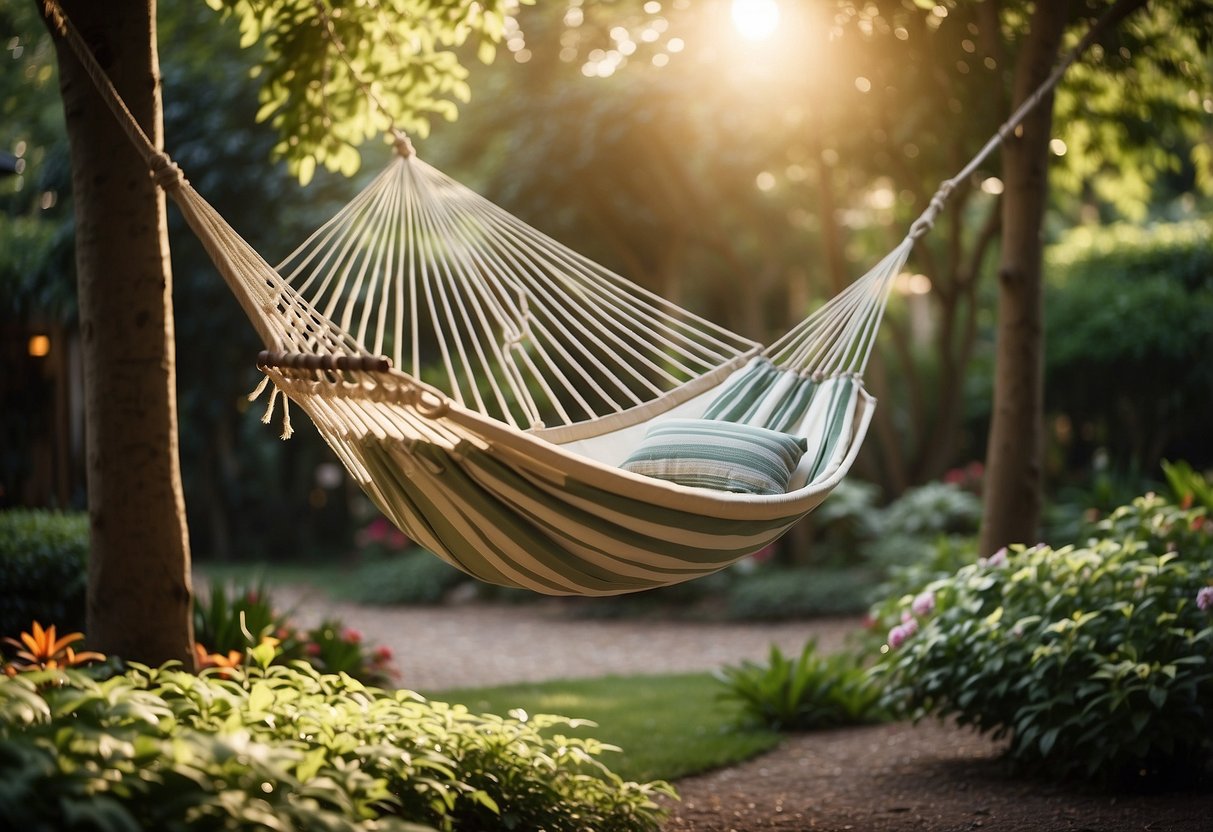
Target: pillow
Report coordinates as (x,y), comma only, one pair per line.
(726,456)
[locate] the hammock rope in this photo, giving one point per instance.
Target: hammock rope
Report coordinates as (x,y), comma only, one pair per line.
(483,383)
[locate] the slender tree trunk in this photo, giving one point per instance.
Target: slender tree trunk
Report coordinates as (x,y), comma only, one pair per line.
(1013,461)
(139,584)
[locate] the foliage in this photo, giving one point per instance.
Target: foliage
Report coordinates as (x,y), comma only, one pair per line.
(931,510)
(1096,661)
(332,78)
(910,526)
(845,522)
(939,559)
(290,748)
(415,577)
(669,726)
(775,593)
(808,693)
(43,569)
(1190,487)
(1075,507)
(1128,311)
(230,622)
(44,649)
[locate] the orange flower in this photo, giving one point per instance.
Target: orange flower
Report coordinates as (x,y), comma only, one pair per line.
(203,659)
(41,650)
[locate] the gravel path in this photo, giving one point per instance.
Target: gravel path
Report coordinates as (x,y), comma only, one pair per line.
(439,648)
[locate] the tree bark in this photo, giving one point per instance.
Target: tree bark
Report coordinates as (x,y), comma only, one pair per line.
(1013,456)
(139,583)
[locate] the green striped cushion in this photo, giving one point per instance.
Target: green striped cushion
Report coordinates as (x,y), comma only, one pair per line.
(707,453)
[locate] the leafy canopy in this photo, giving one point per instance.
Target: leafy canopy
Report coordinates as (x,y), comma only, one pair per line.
(335,75)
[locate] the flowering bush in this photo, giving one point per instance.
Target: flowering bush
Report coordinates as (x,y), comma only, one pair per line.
(1095,661)
(232,621)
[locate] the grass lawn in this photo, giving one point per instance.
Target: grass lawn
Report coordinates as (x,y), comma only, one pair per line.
(336,579)
(667,726)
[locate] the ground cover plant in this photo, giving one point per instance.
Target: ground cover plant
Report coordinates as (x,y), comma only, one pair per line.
(668,726)
(289,748)
(803,694)
(1095,660)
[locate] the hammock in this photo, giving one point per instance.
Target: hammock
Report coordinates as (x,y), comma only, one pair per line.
(483,383)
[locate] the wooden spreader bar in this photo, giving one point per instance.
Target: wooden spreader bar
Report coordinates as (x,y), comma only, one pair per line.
(315,361)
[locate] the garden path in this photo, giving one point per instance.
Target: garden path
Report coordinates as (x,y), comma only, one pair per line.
(472,645)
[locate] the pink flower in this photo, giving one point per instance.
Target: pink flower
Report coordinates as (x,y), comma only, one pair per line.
(352,636)
(1204,598)
(898,636)
(312,648)
(909,623)
(383,654)
(923,603)
(995,560)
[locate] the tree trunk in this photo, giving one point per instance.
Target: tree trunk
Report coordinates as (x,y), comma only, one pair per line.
(139,582)
(1013,456)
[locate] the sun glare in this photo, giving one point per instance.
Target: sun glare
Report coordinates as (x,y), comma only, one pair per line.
(755,19)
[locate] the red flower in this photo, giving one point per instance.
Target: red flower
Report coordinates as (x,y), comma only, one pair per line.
(312,648)
(352,636)
(383,654)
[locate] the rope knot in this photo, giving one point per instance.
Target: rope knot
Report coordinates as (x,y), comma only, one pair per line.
(165,172)
(404,145)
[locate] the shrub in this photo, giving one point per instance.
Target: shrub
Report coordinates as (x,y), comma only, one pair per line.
(845,521)
(1139,396)
(414,577)
(1095,661)
(773,594)
(43,569)
(931,510)
(290,748)
(808,693)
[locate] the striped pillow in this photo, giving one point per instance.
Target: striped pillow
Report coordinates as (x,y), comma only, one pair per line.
(707,453)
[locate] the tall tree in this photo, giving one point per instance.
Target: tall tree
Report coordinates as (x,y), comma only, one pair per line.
(139,579)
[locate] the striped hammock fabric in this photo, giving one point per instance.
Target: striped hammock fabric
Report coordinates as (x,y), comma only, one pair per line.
(517,510)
